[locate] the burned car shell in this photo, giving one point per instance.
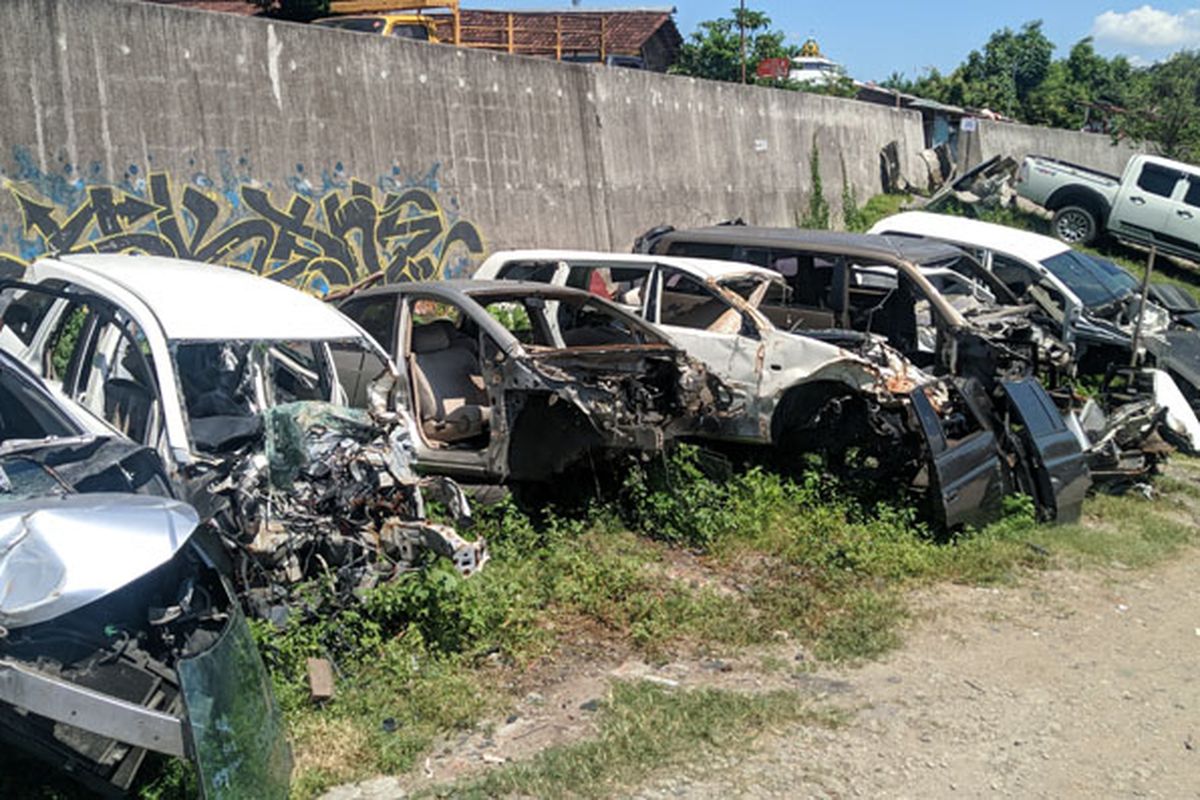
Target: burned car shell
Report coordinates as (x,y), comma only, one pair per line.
(486,401)
(758,362)
(843,301)
(196,360)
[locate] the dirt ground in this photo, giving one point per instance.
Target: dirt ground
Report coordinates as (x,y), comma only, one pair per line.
(1068,684)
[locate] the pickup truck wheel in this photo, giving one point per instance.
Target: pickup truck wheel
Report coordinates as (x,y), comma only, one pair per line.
(1074,225)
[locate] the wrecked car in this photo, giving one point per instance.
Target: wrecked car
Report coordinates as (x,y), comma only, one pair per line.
(521,382)
(835,292)
(800,392)
(119,634)
(234,381)
(1092,306)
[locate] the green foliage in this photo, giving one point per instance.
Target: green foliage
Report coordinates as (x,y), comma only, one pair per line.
(853,218)
(714,51)
(816,217)
(1165,107)
(296,10)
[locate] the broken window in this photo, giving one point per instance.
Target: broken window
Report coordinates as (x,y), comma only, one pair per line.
(377,316)
(625,286)
(112,374)
(688,303)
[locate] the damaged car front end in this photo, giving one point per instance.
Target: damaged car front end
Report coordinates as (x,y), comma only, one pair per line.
(119,637)
(305,475)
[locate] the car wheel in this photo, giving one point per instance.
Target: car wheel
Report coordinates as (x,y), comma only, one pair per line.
(1074,225)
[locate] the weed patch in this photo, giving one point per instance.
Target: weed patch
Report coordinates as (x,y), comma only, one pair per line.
(644,729)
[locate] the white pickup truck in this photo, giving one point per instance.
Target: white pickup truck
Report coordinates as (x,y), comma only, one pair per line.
(1155,202)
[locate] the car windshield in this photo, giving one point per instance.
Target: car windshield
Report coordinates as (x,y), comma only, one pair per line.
(1094,285)
(22,478)
(26,413)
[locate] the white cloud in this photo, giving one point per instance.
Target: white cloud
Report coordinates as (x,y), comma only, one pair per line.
(1147,26)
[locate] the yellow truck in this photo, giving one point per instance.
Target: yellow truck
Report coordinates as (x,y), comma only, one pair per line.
(402,18)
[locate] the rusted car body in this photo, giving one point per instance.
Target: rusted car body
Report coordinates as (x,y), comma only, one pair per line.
(522,382)
(851,288)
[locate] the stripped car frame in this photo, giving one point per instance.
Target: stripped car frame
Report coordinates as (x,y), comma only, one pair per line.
(990,360)
(525,382)
(798,393)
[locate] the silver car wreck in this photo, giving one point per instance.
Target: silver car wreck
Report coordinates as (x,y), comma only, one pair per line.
(119,633)
(234,381)
(523,382)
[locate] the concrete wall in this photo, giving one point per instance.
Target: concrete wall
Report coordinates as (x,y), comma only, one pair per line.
(320,156)
(1094,150)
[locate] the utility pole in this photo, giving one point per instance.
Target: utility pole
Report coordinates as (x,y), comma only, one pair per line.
(742,35)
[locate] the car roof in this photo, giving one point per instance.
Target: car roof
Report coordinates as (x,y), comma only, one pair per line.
(854,245)
(467,287)
(707,267)
(192,300)
(1022,244)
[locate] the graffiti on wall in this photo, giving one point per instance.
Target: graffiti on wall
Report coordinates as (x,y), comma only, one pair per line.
(316,239)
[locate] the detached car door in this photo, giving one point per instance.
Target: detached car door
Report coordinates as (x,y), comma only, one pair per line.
(967,478)
(1059,469)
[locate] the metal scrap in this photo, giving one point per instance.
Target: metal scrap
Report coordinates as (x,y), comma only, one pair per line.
(331,493)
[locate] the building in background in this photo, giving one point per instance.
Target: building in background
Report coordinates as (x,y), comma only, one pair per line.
(644,38)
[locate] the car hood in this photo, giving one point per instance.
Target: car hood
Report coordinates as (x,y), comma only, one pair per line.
(59,554)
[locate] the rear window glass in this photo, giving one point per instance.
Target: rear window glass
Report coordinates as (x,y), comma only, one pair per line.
(1192,198)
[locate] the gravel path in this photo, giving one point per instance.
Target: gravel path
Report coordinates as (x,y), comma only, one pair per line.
(1069,685)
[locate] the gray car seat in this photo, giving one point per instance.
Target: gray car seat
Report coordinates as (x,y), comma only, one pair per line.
(451,401)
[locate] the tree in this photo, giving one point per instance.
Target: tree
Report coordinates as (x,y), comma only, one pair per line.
(1165,107)
(297,10)
(714,51)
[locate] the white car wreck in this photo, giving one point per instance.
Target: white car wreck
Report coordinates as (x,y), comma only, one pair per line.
(233,380)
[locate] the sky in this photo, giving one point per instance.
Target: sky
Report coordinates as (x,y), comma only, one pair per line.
(874,38)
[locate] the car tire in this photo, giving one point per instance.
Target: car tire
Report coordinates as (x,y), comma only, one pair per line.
(1074,225)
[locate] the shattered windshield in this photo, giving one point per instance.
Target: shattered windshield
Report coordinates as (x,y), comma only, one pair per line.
(1094,285)
(23,478)
(226,384)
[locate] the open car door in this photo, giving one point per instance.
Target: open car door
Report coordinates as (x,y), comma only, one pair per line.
(967,479)
(1058,467)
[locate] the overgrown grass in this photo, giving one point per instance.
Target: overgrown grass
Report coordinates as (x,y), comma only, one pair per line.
(644,730)
(687,560)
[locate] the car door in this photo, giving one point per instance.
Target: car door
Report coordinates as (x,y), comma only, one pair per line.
(705,324)
(967,480)
(1183,223)
(1055,460)
(1144,208)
